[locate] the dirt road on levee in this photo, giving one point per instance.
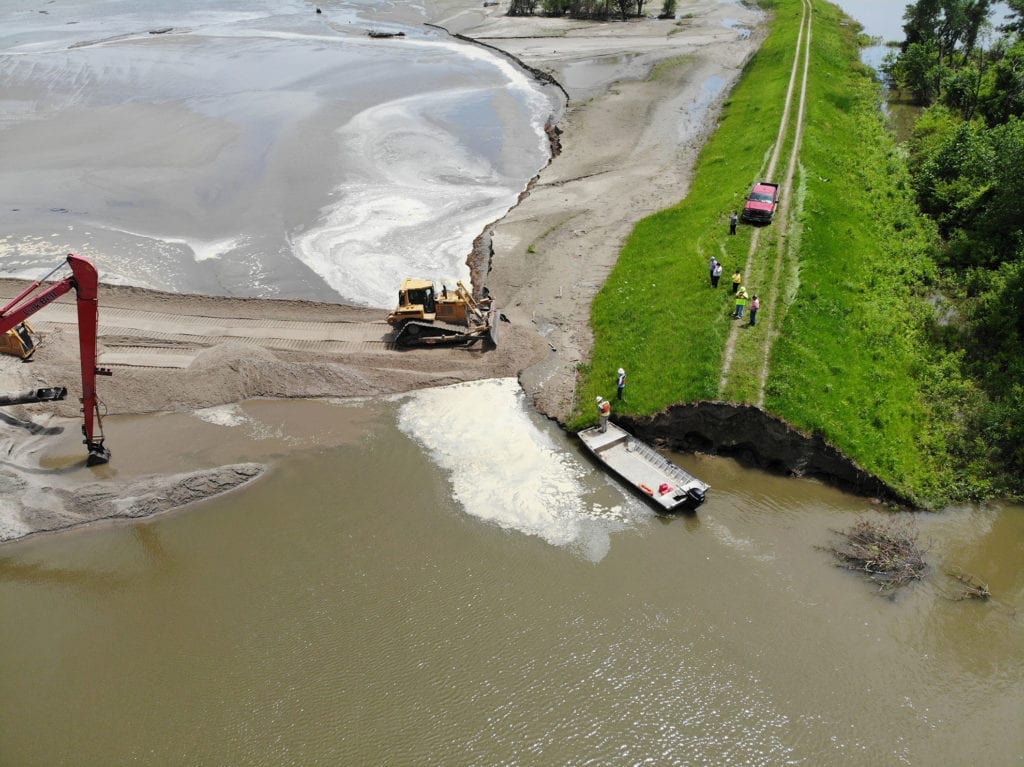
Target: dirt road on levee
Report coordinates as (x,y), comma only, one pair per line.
(769,260)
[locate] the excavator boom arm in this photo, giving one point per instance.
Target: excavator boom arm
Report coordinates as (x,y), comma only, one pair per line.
(85,282)
(33,304)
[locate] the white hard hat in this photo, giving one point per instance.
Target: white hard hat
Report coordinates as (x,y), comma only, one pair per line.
(600,398)
(621,371)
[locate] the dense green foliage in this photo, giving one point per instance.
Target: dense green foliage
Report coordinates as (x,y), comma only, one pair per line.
(860,357)
(967,165)
(600,10)
(522,7)
(942,58)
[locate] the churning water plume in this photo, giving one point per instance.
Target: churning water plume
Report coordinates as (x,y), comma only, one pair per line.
(512,473)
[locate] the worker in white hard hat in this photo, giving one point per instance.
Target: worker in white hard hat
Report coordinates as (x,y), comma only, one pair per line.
(620,384)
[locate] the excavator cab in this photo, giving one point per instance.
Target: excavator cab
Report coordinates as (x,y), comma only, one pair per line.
(18,341)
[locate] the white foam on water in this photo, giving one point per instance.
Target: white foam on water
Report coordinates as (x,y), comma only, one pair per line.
(117,267)
(204,250)
(103,22)
(516,79)
(512,77)
(22,258)
(503,468)
(222,415)
(413,209)
(416,178)
(233,417)
(416,196)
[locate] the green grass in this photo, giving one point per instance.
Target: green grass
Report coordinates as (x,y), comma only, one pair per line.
(852,360)
(656,315)
(658,70)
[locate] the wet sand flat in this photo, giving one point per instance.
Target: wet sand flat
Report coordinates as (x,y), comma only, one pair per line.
(550,253)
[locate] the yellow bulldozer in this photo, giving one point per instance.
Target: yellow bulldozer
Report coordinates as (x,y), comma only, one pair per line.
(425,317)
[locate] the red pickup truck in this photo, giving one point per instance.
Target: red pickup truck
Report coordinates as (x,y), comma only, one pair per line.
(761,203)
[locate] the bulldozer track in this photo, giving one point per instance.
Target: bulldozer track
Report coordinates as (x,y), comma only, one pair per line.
(770,265)
(133,338)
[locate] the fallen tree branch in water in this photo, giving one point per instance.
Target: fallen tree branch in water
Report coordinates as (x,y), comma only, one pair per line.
(886,552)
(973,588)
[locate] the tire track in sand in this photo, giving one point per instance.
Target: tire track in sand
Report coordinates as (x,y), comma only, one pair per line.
(140,338)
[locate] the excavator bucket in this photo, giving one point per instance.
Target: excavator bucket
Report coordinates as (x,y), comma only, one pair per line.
(44,394)
(18,341)
(98,454)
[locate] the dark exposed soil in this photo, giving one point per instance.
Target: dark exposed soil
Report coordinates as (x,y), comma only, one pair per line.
(758,439)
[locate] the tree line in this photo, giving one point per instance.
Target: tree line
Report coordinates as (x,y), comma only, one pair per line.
(966,157)
(596,10)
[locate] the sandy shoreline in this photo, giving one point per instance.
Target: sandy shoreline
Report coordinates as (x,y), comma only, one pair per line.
(629,144)
(553,251)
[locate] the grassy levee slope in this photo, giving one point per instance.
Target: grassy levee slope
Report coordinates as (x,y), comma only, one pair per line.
(656,315)
(850,360)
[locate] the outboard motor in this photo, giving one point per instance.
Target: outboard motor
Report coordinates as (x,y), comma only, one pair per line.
(696,495)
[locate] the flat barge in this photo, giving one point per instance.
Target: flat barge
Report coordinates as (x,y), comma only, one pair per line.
(668,487)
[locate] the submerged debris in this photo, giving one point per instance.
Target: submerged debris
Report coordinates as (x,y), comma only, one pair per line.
(972,586)
(886,552)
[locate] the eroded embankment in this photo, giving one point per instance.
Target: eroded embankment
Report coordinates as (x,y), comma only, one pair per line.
(481,254)
(755,438)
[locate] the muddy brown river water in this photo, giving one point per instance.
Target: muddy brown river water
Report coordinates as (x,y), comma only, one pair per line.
(398,589)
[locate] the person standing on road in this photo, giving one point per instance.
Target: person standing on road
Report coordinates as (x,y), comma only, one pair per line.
(620,384)
(716,275)
(733,220)
(755,304)
(604,409)
(737,278)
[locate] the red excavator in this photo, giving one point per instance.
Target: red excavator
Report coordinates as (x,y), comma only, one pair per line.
(16,338)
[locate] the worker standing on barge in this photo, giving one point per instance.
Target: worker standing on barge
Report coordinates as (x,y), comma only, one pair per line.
(604,409)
